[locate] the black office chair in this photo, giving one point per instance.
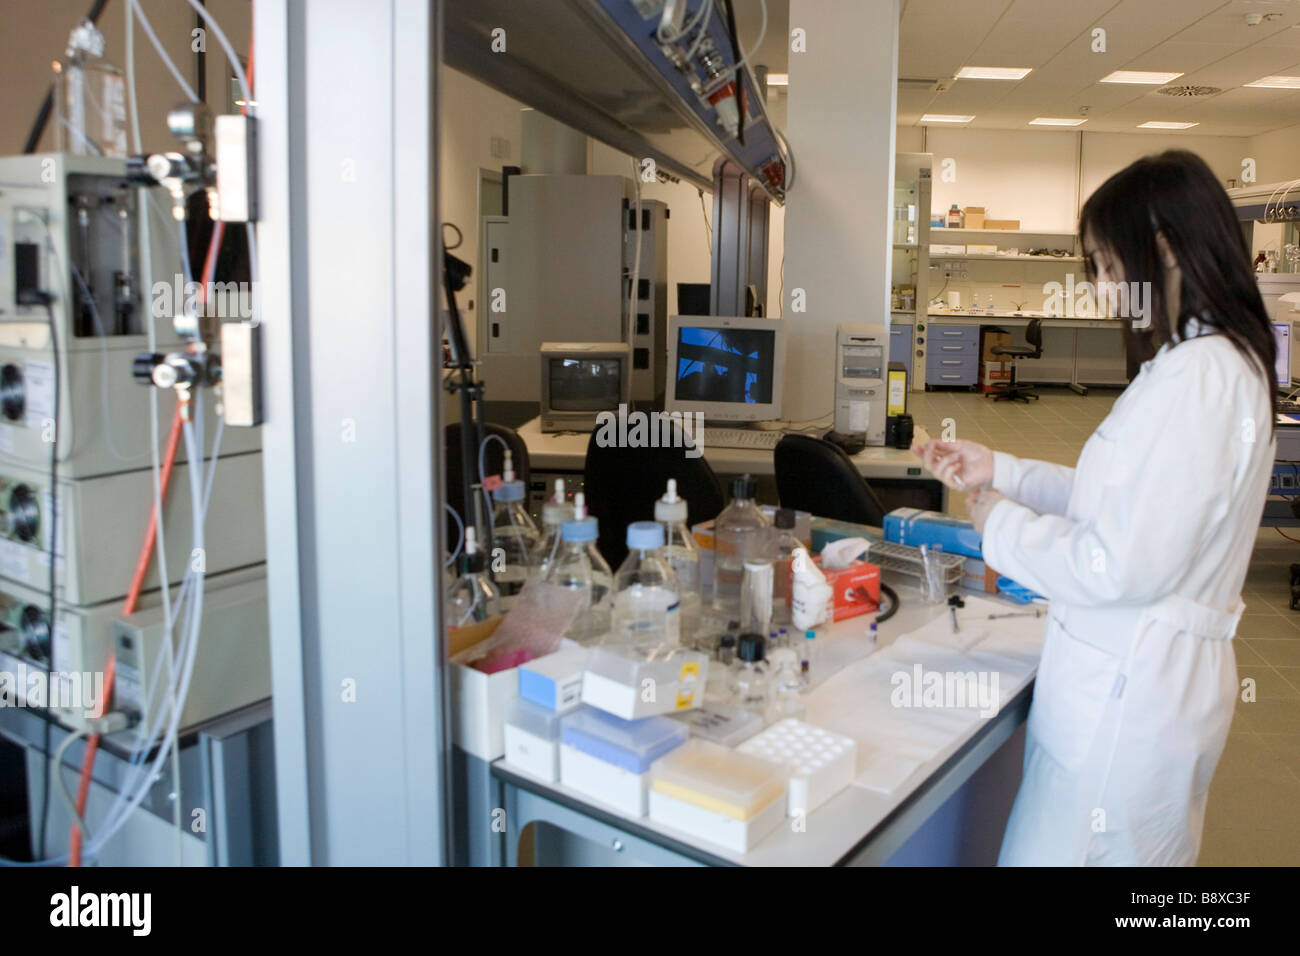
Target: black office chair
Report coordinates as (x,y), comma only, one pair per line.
(1013,391)
(622,485)
(815,476)
(492,459)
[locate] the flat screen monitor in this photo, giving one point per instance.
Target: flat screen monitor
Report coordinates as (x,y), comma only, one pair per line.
(731,369)
(582,379)
(1282,370)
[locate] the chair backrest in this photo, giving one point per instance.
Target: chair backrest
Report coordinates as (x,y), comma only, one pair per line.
(815,476)
(1034,336)
(493,457)
(622,485)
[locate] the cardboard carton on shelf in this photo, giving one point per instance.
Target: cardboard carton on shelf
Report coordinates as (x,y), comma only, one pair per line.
(1002,224)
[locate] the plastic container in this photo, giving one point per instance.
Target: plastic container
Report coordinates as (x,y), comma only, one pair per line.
(723,724)
(646,608)
(555,511)
(818,763)
(532,736)
(722,796)
(739,533)
(513,532)
(609,759)
(756,595)
(632,685)
(473,597)
(579,565)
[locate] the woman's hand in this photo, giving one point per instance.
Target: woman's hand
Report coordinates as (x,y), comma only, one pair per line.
(980,504)
(963,465)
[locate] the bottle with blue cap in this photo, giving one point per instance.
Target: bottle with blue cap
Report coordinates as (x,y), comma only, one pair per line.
(513,532)
(578,565)
(680,550)
(646,606)
(555,511)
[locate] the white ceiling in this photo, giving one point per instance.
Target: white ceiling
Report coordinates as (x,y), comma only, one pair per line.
(1207,40)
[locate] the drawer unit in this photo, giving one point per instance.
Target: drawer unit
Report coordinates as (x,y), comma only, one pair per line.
(954,370)
(944,348)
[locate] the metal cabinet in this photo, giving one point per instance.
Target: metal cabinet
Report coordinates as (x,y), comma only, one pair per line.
(952,355)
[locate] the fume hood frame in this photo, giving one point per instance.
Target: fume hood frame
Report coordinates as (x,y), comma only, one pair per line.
(596,65)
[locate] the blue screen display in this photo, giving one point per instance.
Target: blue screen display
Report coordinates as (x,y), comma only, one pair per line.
(725,365)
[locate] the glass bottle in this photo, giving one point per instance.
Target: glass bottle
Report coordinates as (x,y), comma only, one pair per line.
(473,597)
(513,531)
(90,97)
(580,566)
(786,685)
(749,681)
(783,546)
(739,533)
(555,511)
(680,549)
(646,607)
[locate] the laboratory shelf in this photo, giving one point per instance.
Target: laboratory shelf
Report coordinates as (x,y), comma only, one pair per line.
(935,232)
(1019,258)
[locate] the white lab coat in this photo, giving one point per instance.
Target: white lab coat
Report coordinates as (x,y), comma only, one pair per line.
(1142,550)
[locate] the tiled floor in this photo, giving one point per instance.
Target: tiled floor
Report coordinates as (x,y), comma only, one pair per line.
(1254,813)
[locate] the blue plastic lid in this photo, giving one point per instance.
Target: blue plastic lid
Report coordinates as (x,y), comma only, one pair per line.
(645,536)
(630,744)
(509,491)
(583,529)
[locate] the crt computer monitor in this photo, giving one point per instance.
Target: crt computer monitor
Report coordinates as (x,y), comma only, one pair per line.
(582,379)
(731,369)
(1282,370)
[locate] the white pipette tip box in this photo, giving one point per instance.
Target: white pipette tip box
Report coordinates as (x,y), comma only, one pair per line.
(819,763)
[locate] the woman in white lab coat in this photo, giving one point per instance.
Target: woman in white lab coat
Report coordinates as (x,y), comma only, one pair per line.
(1142,548)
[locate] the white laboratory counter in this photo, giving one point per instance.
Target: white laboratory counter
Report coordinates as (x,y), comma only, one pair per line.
(857,826)
(567,452)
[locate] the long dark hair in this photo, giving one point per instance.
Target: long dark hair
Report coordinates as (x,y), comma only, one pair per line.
(1177,195)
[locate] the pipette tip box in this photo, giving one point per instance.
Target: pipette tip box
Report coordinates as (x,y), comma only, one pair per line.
(818,764)
(632,685)
(532,739)
(718,795)
(608,758)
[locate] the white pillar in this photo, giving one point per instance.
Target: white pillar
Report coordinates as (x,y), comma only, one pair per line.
(839,213)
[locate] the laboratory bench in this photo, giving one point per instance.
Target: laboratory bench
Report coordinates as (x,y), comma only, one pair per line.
(1076,351)
(896,475)
(951,809)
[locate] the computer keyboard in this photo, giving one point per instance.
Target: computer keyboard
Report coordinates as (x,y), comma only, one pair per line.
(740,438)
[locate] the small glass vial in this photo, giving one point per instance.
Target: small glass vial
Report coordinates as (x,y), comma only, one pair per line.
(786,686)
(749,683)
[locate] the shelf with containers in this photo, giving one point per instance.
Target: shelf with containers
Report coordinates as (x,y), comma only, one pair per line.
(989,272)
(910,262)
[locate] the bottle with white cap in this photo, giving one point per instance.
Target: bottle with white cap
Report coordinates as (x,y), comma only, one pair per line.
(513,531)
(555,511)
(646,607)
(578,565)
(472,597)
(679,547)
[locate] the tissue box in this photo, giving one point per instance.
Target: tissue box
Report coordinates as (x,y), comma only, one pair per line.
(826,530)
(855,589)
(917,527)
(633,687)
(554,681)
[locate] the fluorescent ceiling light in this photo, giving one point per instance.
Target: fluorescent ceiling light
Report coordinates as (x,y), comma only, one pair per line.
(993,72)
(945,118)
(778,79)
(1278,83)
(1056,121)
(1153,124)
(1138,76)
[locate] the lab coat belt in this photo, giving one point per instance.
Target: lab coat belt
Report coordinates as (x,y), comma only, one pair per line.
(1113,628)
